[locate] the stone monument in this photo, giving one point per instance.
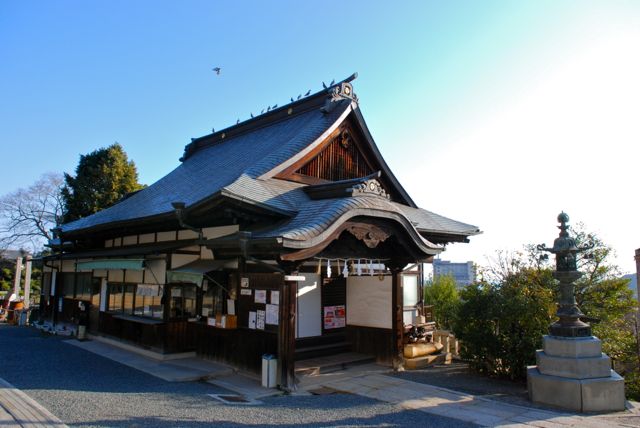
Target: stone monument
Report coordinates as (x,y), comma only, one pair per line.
(571,371)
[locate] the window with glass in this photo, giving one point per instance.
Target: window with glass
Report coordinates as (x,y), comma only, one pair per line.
(115,297)
(212,300)
(68,284)
(182,301)
(148,301)
(84,286)
(96,284)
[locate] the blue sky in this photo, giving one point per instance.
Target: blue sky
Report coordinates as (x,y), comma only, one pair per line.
(499,114)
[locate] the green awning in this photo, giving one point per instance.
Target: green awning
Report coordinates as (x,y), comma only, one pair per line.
(194,272)
(111,264)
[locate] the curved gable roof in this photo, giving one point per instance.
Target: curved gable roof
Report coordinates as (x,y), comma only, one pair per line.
(208,170)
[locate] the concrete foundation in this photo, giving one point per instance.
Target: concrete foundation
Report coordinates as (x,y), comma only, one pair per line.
(574,374)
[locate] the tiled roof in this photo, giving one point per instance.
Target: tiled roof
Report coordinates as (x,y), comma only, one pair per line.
(427,221)
(231,163)
(239,163)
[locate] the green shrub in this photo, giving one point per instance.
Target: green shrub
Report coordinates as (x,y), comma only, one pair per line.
(500,326)
(443,295)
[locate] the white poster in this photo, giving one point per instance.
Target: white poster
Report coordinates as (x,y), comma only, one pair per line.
(231,307)
(252,320)
(275,297)
(260,318)
(261,296)
(245,292)
(272,314)
(244,282)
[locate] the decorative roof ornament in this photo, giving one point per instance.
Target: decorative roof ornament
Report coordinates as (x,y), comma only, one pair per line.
(566,250)
(339,91)
(370,187)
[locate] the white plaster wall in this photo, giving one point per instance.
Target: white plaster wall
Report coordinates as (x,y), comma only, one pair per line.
(187,234)
(167,236)
(147,238)
(178,260)
(115,275)
(369,301)
(216,232)
(130,240)
(133,276)
(155,271)
(68,266)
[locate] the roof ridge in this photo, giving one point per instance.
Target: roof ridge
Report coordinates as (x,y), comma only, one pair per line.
(320,99)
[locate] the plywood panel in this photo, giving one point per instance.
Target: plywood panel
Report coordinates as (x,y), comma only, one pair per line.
(309,310)
(369,301)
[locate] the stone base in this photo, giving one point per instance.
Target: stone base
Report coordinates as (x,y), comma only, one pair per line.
(578,347)
(574,368)
(604,394)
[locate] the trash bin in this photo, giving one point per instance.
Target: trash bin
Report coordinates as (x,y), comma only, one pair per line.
(269,369)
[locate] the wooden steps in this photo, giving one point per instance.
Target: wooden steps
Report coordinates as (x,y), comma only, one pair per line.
(427,360)
(331,363)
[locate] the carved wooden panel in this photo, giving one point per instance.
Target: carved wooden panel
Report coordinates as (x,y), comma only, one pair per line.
(340,160)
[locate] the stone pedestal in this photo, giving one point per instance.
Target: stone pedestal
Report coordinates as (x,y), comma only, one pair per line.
(574,374)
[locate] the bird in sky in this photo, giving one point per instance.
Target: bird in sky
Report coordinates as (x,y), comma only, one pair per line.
(274,107)
(308,92)
(291,99)
(217,70)
(299,96)
(251,115)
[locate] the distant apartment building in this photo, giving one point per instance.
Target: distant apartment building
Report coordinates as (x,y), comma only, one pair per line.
(463,273)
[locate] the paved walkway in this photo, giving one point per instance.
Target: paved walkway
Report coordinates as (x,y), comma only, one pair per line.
(17,409)
(470,408)
(369,380)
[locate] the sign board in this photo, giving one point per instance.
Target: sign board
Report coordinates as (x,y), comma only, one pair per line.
(294,278)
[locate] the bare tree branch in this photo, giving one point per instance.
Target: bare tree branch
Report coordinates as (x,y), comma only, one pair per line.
(28,214)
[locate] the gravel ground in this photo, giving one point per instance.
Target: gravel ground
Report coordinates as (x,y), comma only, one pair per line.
(84,389)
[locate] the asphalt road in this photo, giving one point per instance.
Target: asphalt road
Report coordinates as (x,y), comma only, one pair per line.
(84,389)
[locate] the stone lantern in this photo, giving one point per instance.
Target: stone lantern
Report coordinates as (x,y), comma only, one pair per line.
(571,371)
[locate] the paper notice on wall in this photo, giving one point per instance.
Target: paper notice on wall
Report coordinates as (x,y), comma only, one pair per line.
(252,320)
(245,292)
(261,296)
(147,290)
(260,319)
(334,317)
(231,307)
(275,297)
(272,314)
(244,282)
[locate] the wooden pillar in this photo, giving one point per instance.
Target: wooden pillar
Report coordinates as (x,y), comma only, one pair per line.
(287,329)
(27,281)
(286,335)
(397,323)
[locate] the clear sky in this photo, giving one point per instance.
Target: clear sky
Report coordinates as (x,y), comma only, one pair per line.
(499,114)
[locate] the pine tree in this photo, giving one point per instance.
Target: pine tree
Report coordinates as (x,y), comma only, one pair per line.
(102,178)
